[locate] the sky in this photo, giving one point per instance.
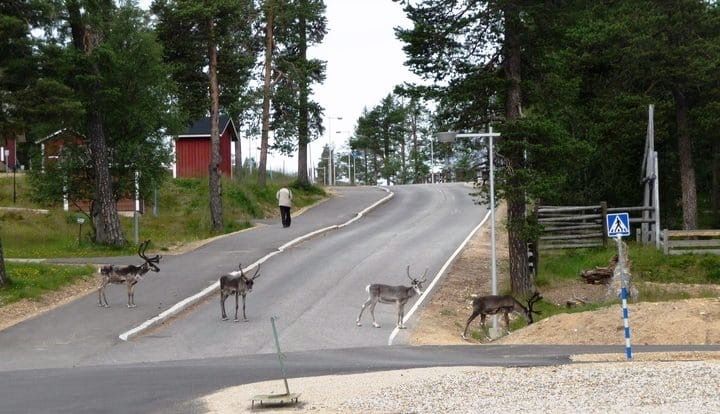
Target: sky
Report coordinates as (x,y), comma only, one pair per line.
(364,63)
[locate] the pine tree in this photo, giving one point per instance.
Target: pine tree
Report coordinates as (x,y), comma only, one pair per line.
(213,35)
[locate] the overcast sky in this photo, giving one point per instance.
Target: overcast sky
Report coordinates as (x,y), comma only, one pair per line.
(364,63)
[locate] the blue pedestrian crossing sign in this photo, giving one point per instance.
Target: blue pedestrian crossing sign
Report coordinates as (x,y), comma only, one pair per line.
(618,224)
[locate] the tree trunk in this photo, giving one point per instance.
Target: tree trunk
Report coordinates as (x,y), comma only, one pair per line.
(302,174)
(520,278)
(687,167)
(105,218)
(238,159)
(416,154)
(3,276)
(216,213)
(269,45)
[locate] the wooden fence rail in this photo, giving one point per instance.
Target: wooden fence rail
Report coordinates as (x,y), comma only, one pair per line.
(690,241)
(572,227)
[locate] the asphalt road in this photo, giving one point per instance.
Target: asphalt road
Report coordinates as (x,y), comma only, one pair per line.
(80,333)
(315,288)
(170,387)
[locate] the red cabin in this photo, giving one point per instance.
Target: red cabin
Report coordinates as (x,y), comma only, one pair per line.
(51,147)
(8,152)
(192,148)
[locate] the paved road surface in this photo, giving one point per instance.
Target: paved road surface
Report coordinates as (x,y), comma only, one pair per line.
(316,288)
(168,387)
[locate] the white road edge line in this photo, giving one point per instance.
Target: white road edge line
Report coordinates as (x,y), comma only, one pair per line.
(436,278)
(187,302)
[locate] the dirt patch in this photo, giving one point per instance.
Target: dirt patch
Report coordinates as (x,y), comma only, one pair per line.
(689,321)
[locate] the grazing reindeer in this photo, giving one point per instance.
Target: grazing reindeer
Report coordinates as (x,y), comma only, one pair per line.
(494,304)
(392,294)
(129,275)
(240,285)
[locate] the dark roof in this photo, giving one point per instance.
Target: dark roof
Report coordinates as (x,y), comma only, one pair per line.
(201,127)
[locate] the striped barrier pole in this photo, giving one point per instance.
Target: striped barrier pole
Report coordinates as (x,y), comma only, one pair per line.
(623,297)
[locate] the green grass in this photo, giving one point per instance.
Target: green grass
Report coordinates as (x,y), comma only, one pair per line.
(647,264)
(30,281)
(183,216)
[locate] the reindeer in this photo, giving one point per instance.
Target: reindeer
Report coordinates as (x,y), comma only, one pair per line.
(392,294)
(494,304)
(240,285)
(129,275)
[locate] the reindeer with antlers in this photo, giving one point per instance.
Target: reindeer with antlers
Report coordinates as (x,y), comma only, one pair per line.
(505,304)
(392,294)
(240,285)
(129,275)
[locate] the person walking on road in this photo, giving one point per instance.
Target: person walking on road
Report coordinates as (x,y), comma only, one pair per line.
(284,197)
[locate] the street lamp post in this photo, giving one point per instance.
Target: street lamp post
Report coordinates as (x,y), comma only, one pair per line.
(432,163)
(450,137)
(330,144)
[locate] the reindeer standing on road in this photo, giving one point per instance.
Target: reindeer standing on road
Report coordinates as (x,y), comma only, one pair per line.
(505,304)
(238,284)
(129,275)
(392,294)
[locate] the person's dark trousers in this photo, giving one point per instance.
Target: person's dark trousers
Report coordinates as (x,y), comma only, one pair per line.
(285,216)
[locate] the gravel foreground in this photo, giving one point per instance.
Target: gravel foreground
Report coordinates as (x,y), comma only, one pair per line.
(613,387)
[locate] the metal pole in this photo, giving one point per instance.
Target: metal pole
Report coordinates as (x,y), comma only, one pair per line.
(656,199)
(624,296)
(280,355)
(137,208)
(492,222)
(14,171)
(432,163)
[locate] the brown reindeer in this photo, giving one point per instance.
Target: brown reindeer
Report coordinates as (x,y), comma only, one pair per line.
(129,275)
(505,304)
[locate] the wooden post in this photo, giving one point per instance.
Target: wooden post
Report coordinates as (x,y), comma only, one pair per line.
(603,211)
(666,242)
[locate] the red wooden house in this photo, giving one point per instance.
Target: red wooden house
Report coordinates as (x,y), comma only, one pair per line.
(9,152)
(52,146)
(192,148)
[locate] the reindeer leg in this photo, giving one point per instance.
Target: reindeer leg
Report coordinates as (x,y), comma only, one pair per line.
(401,315)
(223,296)
(237,294)
(507,322)
(470,319)
(367,302)
(245,319)
(131,295)
(100,293)
(372,313)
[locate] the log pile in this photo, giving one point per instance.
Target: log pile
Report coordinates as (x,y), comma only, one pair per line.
(600,275)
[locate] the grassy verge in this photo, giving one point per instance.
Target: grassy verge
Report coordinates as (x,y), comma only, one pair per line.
(650,270)
(30,281)
(647,265)
(183,216)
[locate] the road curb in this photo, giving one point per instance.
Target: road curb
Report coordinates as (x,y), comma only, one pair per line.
(212,289)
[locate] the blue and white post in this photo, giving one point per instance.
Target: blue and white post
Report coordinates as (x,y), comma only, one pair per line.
(618,225)
(624,297)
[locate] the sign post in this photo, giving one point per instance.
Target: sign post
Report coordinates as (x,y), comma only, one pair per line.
(618,226)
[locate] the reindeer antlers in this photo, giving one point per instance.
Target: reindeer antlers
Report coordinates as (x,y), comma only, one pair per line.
(254,276)
(141,252)
(424,276)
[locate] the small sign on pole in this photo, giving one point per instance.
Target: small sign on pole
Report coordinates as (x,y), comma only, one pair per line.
(618,224)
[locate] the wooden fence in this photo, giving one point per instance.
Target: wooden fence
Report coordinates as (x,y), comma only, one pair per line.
(690,241)
(572,227)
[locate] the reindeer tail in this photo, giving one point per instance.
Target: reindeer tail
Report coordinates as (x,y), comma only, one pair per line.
(367,288)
